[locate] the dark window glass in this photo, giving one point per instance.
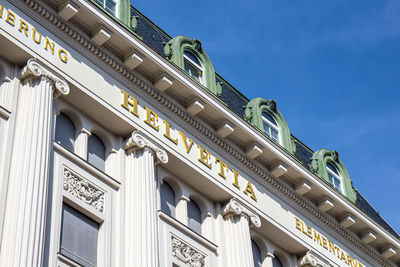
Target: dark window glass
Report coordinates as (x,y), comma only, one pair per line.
(276,262)
(269,118)
(256,254)
(79,236)
(65,132)
(194,216)
(96,152)
(167,197)
(331,167)
(192,57)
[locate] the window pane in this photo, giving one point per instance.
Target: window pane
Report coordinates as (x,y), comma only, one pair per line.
(96,152)
(256,254)
(192,57)
(65,132)
(276,262)
(79,236)
(110,6)
(267,129)
(274,135)
(194,216)
(332,168)
(268,117)
(167,197)
(192,71)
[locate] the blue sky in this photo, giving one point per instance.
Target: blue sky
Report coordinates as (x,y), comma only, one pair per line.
(333,68)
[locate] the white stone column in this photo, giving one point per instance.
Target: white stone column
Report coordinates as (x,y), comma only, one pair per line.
(207,227)
(81,143)
(181,210)
(141,247)
(238,220)
(22,243)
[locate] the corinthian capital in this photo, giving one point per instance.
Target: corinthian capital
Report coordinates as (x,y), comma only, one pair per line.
(138,140)
(235,207)
(36,69)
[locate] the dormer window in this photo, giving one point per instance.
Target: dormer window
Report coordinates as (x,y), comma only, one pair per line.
(271,128)
(108,5)
(192,66)
(334,177)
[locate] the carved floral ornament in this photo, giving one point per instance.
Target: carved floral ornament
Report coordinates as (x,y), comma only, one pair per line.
(310,260)
(138,140)
(83,190)
(235,207)
(186,253)
(37,69)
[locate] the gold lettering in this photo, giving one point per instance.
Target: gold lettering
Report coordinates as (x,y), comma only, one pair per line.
(317,238)
(10,18)
(34,34)
(62,55)
(235,178)
(23,27)
(297,222)
(204,156)
(331,247)
(350,261)
(151,118)
(337,252)
(127,101)
(221,167)
(342,257)
(249,190)
(167,133)
(1,11)
(324,242)
(49,44)
(309,232)
(184,140)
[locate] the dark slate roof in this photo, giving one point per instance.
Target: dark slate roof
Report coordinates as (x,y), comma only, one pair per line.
(154,37)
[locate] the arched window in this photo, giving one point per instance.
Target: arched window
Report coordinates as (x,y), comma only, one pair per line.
(271,128)
(194,216)
(65,132)
(108,5)
(334,177)
(192,66)
(256,254)
(96,152)
(167,197)
(276,262)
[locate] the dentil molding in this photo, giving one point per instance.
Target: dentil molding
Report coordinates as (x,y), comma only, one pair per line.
(234,207)
(138,140)
(143,85)
(37,69)
(186,253)
(83,190)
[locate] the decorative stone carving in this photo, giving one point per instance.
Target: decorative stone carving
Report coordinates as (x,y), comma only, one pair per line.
(140,141)
(310,259)
(186,253)
(35,68)
(235,207)
(83,190)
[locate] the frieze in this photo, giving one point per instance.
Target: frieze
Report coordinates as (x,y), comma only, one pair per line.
(186,253)
(83,190)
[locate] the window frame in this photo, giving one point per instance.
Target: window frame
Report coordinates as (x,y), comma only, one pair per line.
(273,126)
(193,66)
(335,175)
(103,4)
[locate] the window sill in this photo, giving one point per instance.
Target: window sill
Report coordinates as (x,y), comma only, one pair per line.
(180,226)
(87,166)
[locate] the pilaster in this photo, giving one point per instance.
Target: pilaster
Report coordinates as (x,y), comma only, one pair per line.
(238,220)
(141,248)
(22,242)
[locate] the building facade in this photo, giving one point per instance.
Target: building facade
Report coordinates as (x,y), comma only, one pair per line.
(121,146)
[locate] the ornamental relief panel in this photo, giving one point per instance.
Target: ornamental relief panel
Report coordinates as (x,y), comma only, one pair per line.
(84,190)
(187,254)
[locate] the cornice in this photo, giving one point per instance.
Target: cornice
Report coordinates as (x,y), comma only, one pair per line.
(87,44)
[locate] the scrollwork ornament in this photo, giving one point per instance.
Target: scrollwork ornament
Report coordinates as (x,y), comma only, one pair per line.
(36,69)
(138,140)
(83,190)
(237,208)
(311,260)
(186,253)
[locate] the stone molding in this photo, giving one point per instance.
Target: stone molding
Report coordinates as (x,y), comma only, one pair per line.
(117,66)
(234,207)
(37,69)
(83,190)
(310,260)
(186,253)
(138,140)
